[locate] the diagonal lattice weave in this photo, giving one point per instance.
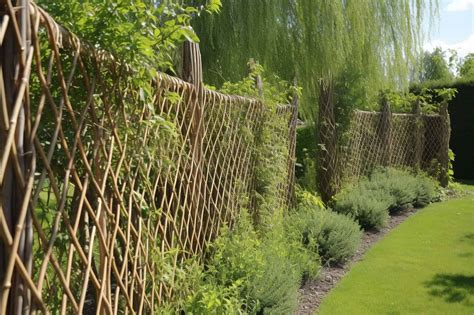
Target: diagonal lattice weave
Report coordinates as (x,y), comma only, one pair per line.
(94,187)
(413,141)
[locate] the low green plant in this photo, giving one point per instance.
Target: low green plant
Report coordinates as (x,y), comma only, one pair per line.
(266,270)
(276,290)
(406,188)
(386,190)
(192,290)
(399,186)
(212,298)
(335,237)
(339,238)
(426,192)
(369,208)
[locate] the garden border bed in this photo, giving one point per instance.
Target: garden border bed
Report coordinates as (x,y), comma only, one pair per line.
(312,293)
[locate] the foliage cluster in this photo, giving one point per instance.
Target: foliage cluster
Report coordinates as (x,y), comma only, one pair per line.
(430,100)
(142,33)
(446,66)
(462,130)
(267,269)
(436,65)
(335,237)
(305,168)
(134,40)
(385,191)
(313,39)
(245,273)
(466,69)
(271,139)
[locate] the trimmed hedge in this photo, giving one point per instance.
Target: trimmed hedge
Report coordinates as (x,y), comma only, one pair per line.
(461,110)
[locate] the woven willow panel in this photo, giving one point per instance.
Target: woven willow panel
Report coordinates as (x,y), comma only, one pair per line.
(367,146)
(94,186)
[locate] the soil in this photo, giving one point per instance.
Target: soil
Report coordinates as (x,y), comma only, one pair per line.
(313,292)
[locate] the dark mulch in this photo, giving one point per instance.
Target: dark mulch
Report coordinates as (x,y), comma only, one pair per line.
(313,292)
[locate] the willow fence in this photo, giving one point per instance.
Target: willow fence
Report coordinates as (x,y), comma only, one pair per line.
(414,140)
(94,187)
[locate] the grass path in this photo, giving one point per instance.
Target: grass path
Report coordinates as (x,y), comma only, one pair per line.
(425,266)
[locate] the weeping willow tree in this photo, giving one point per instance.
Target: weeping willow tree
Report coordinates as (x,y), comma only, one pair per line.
(365,45)
(355,47)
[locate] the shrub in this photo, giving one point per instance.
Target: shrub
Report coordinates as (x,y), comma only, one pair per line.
(369,208)
(192,292)
(400,185)
(212,298)
(276,289)
(334,236)
(426,191)
(265,269)
(287,262)
(370,200)
(407,189)
(339,238)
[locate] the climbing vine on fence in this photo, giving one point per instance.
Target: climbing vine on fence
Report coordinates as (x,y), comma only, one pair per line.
(272,142)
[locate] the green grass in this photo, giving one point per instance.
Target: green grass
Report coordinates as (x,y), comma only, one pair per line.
(424,266)
(467,184)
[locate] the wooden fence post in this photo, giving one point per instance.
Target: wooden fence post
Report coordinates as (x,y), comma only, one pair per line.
(418,136)
(16,182)
(386,132)
(291,198)
(445,134)
(192,64)
(328,160)
(192,73)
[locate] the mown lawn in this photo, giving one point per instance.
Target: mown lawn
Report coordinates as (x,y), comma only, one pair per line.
(424,266)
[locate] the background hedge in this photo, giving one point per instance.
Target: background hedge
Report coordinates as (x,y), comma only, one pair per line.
(461,110)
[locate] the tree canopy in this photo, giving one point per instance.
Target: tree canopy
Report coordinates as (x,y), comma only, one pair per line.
(466,68)
(143,33)
(435,66)
(364,45)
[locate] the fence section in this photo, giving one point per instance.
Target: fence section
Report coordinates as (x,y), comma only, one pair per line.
(416,140)
(400,140)
(97,183)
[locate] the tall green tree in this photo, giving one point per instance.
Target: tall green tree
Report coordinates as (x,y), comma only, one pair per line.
(365,45)
(466,69)
(435,66)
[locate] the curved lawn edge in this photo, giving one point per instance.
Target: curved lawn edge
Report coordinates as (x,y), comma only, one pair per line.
(314,291)
(422,266)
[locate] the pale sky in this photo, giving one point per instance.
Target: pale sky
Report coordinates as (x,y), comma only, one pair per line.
(455,28)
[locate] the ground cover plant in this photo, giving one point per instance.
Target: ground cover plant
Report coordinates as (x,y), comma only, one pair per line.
(371,199)
(426,265)
(259,269)
(335,237)
(267,270)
